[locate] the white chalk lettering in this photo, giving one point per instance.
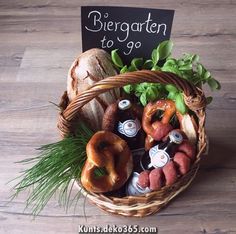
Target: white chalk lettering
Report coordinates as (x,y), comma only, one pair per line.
(110,43)
(141,26)
(124,27)
(96,19)
(164,30)
(116,26)
(137,29)
(153,25)
(106,44)
(102,22)
(109,26)
(130,45)
(147,22)
(103,41)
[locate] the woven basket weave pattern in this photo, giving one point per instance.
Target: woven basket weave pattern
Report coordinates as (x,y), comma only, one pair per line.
(149,203)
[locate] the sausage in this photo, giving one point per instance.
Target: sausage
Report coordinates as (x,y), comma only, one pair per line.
(155,178)
(110,117)
(161,130)
(170,173)
(187,148)
(143,179)
(183,162)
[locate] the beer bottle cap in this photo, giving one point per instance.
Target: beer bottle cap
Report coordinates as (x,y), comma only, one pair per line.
(124,104)
(176,137)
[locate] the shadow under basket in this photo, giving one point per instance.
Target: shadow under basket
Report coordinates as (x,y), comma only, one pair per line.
(150,203)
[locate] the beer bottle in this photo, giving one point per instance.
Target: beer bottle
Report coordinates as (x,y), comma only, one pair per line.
(159,155)
(128,126)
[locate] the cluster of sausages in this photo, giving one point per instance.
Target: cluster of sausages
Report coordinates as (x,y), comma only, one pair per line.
(168,175)
(157,131)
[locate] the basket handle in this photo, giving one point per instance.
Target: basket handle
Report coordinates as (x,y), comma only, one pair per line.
(193,97)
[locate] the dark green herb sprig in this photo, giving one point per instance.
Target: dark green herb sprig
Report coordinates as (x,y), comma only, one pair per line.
(187,67)
(54,169)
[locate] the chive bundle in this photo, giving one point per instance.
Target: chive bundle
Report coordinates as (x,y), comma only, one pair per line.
(54,169)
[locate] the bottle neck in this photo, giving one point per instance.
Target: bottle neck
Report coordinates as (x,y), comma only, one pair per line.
(126,115)
(169,147)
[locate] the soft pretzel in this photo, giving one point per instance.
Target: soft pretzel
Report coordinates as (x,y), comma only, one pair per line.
(106,150)
(157,130)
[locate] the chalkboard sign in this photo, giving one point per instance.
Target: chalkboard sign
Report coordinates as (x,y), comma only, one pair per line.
(134,31)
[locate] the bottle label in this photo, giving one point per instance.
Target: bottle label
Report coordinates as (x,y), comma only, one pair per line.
(159,158)
(129,128)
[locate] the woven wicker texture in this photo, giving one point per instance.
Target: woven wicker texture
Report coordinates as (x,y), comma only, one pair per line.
(149,203)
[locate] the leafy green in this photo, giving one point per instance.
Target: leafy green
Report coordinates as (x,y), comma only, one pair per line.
(155,56)
(128,88)
(151,93)
(124,69)
(180,104)
(148,64)
(209,100)
(137,63)
(214,84)
(143,99)
(172,91)
(171,88)
(186,67)
(155,68)
(164,49)
(116,59)
(172,96)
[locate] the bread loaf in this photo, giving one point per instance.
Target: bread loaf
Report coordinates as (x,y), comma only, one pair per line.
(90,67)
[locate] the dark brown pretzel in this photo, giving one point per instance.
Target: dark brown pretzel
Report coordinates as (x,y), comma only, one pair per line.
(106,150)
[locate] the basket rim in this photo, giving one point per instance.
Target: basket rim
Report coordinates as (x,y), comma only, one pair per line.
(127,209)
(194,167)
(194,98)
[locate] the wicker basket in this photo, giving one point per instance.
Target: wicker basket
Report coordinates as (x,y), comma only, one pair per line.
(149,203)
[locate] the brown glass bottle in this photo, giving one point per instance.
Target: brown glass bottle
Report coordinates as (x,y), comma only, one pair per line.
(159,155)
(128,126)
